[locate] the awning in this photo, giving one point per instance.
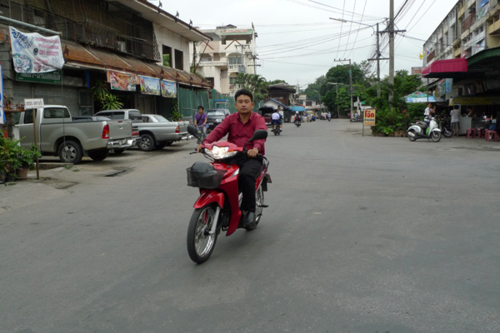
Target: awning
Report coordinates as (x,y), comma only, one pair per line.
(297,108)
(487,59)
(446,69)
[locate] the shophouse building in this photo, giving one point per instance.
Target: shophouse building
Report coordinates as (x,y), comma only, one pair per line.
(230,52)
(462,58)
(105,43)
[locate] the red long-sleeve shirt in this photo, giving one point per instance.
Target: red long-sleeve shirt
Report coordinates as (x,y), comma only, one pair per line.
(239,133)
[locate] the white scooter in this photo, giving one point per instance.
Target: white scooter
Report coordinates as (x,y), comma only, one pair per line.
(424,130)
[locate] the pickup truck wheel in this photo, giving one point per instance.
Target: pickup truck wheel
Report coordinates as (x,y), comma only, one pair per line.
(147,142)
(99,155)
(70,152)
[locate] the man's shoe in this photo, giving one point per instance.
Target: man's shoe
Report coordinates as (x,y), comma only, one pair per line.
(250,221)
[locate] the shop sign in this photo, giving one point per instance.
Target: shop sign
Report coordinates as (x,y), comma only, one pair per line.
(34,53)
(53,77)
(33,103)
(168,89)
(150,85)
(2,102)
(417,71)
(122,81)
(486,100)
(369,117)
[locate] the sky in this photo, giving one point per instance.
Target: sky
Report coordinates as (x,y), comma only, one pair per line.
(298,42)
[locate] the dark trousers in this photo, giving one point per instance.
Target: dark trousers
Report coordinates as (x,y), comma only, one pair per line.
(249,171)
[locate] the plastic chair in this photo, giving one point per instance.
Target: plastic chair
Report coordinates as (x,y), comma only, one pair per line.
(493,134)
(471,133)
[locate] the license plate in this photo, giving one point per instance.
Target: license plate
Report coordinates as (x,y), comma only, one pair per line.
(210,123)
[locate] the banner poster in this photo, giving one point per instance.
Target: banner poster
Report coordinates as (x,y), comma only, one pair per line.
(168,89)
(34,53)
(2,101)
(369,117)
(122,81)
(150,85)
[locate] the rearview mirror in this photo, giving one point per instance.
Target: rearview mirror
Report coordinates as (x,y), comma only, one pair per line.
(193,130)
(258,135)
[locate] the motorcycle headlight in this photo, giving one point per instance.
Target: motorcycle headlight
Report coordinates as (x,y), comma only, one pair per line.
(219,153)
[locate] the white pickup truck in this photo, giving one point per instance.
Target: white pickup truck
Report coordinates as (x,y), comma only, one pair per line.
(155,131)
(60,135)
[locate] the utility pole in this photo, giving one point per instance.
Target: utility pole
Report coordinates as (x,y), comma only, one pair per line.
(350,79)
(377,59)
(391,50)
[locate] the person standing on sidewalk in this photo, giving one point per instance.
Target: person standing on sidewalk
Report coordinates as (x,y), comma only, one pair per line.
(455,119)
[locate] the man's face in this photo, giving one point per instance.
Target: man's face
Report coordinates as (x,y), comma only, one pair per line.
(244,104)
(200,110)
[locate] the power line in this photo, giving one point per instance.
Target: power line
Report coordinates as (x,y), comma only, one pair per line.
(356,39)
(350,27)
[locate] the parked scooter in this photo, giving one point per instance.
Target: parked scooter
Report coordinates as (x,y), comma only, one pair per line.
(424,130)
(445,127)
(297,123)
(218,207)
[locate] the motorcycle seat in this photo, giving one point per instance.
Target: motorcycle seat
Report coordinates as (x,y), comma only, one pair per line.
(422,124)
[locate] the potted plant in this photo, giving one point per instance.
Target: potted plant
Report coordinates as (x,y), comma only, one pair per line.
(26,160)
(15,161)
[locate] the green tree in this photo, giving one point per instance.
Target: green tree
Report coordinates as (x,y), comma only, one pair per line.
(277,81)
(256,84)
(313,90)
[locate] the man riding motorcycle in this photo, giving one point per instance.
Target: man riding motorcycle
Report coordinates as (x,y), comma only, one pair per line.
(241,126)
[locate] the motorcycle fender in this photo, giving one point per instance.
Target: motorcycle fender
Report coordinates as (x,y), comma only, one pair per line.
(436,130)
(209,196)
(415,128)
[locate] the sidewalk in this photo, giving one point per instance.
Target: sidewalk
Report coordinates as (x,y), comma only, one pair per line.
(57,182)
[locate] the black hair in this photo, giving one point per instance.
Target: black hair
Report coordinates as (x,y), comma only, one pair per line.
(243,92)
(201,107)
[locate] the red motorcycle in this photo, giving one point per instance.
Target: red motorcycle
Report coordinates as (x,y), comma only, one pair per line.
(218,207)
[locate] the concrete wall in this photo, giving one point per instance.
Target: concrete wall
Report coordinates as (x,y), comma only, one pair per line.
(175,41)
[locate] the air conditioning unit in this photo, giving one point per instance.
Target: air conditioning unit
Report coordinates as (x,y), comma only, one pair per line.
(122,46)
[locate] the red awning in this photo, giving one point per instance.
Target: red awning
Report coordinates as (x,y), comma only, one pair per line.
(446,69)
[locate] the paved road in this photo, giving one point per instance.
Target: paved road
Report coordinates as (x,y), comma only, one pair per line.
(363,234)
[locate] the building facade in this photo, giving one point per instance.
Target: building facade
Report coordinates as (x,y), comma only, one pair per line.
(101,40)
(231,51)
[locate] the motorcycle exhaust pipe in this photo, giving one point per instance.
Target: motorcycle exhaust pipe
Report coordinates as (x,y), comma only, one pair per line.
(412,134)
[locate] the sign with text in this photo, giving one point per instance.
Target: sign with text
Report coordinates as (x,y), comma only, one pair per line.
(33,103)
(34,53)
(122,81)
(168,89)
(52,78)
(150,85)
(369,117)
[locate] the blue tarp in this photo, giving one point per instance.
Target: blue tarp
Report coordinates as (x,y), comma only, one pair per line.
(483,3)
(297,108)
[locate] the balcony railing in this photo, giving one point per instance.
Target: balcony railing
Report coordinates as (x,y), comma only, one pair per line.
(469,21)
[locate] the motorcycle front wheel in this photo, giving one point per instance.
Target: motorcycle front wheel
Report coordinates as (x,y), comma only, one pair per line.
(200,243)
(259,203)
(436,136)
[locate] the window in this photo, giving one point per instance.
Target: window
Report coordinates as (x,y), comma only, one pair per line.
(179,60)
(167,56)
(134,115)
(161,119)
(235,60)
(232,80)
(55,113)
(118,115)
(28,116)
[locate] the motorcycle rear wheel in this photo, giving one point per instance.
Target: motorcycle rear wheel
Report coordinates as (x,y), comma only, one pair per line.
(200,243)
(436,136)
(412,138)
